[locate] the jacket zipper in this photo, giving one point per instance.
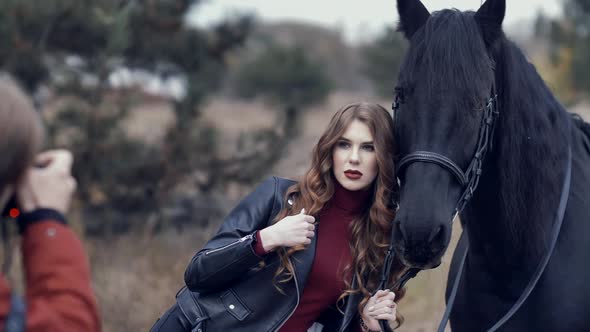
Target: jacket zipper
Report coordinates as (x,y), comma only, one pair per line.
(247,237)
(296,304)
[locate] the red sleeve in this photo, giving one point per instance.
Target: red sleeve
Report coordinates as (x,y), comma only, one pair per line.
(59,294)
(4,300)
(258,248)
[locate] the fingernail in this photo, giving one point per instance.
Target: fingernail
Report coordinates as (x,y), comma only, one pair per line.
(371,308)
(303,211)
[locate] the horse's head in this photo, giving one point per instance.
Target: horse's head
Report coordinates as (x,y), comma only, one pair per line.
(444,83)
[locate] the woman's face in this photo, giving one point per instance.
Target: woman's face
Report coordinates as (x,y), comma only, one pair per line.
(354,159)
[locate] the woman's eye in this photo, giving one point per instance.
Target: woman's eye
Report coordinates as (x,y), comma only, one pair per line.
(343,145)
(368,148)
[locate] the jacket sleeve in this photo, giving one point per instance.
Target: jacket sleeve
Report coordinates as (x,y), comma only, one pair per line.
(59,294)
(4,300)
(230,253)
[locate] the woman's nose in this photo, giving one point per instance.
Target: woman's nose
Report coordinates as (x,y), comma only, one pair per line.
(354,157)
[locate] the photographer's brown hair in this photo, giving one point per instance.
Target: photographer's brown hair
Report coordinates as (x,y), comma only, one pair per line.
(21,133)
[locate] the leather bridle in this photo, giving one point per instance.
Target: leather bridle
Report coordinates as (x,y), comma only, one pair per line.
(469,180)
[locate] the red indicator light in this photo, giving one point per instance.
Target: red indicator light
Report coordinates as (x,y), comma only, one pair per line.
(14,213)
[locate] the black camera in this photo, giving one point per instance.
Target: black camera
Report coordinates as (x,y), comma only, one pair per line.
(10,208)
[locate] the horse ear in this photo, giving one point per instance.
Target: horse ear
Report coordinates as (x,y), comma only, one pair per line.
(489,17)
(412,16)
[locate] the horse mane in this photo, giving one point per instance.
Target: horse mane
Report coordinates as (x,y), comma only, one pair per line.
(531,148)
(451,61)
(527,157)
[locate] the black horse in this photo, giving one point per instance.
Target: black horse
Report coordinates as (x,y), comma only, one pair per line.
(457,62)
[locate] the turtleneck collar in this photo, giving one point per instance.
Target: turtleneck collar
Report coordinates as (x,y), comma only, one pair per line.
(352,201)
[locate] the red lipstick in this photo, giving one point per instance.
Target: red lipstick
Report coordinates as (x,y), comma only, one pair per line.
(353,174)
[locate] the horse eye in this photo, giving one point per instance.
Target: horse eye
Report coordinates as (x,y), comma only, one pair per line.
(399,97)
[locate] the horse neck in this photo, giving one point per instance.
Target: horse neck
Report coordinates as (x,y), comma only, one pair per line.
(510,217)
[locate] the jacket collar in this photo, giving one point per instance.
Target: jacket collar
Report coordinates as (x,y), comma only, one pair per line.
(352,201)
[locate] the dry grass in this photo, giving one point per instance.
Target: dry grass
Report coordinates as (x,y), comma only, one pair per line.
(136,277)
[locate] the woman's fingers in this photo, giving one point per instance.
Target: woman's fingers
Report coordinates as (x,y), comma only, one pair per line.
(381,306)
(383,313)
(388,303)
(383,295)
(387,317)
(382,292)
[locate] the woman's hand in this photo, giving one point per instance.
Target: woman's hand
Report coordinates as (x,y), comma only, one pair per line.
(380,306)
(290,231)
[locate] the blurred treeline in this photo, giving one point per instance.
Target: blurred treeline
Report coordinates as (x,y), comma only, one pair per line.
(88,64)
(567,47)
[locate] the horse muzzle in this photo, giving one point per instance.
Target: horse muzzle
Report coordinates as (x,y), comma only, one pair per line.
(421,247)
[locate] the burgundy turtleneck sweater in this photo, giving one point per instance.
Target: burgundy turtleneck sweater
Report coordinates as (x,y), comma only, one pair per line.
(325,282)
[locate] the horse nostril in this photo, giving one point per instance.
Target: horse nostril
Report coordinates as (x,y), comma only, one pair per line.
(437,236)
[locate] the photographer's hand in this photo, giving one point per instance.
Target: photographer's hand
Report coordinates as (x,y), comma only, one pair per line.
(49,184)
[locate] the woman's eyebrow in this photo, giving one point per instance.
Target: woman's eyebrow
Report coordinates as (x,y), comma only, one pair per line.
(349,140)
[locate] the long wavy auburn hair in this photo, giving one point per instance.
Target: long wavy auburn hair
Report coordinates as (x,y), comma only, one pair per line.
(371,231)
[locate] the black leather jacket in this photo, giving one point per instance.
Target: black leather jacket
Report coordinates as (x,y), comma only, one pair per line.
(225,281)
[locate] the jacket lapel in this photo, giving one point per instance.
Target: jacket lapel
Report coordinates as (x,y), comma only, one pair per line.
(350,311)
(303,262)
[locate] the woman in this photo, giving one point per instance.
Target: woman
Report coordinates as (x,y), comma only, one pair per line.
(294,253)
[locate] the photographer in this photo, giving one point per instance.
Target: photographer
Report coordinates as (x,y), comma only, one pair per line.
(59,294)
